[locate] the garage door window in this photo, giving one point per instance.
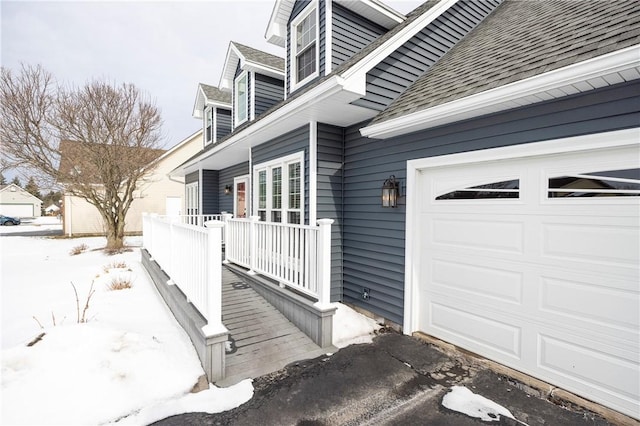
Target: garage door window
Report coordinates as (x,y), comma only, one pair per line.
(494,190)
(611,183)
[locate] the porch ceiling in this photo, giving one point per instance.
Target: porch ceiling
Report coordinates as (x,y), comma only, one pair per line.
(334,108)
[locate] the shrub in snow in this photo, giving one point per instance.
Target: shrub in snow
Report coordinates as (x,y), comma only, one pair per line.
(78,249)
(120,283)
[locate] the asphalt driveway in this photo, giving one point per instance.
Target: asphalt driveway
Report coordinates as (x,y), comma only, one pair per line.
(396,380)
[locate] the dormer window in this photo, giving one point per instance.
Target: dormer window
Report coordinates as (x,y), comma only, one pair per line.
(208,125)
(241,98)
(304,46)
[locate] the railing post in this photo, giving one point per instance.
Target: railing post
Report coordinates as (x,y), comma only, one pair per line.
(253,250)
(324,262)
(225,233)
(216,333)
(214,271)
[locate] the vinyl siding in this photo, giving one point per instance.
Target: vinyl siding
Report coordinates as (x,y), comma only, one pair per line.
(329,196)
(350,33)
(289,143)
(387,80)
(226,178)
(373,237)
(268,92)
(223,123)
(210,192)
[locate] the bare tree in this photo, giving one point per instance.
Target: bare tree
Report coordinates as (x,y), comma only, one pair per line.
(99,141)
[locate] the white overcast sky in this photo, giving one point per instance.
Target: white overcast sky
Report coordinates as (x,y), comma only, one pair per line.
(164,47)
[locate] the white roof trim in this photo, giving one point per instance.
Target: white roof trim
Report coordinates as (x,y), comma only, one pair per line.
(507,96)
(231,63)
(276,32)
(202,101)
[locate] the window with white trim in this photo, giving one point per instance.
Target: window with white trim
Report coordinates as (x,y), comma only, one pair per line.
(241,98)
(191,198)
(208,125)
(280,189)
(304,46)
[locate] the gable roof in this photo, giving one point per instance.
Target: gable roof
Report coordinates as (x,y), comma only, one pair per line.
(522,40)
(249,59)
(210,95)
(374,10)
(16,188)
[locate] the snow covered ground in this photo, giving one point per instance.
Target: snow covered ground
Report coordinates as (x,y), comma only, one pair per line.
(130,363)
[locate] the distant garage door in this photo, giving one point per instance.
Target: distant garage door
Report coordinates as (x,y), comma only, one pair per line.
(17,210)
(530,256)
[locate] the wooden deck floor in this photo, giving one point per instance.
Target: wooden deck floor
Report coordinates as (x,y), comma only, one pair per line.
(262,339)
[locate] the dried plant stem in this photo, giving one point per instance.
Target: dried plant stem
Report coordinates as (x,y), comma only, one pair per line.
(36,319)
(82,319)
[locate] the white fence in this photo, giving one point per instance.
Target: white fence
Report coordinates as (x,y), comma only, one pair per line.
(191,256)
(297,256)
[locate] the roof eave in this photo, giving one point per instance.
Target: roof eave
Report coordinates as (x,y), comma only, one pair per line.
(518,93)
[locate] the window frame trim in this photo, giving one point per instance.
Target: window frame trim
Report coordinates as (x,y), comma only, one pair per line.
(312,7)
(267,166)
(237,122)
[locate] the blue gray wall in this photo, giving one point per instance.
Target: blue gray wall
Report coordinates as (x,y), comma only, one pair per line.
(373,237)
(268,92)
(329,196)
(223,123)
(405,65)
(209,189)
(350,33)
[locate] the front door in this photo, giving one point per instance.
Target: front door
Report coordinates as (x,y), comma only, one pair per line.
(240,194)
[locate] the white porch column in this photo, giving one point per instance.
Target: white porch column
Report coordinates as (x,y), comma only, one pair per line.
(324,262)
(253,252)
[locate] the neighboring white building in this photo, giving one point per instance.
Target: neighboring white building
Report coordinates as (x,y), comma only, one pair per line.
(16,202)
(156,194)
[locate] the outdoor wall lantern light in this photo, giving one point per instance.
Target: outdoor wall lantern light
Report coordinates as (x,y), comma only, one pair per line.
(228,189)
(390,190)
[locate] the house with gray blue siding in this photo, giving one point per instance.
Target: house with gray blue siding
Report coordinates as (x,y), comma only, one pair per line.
(479,159)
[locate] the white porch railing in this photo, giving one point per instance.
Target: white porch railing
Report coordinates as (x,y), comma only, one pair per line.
(192,258)
(298,256)
(198,219)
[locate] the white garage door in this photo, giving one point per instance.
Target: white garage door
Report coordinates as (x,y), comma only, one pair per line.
(534,262)
(17,210)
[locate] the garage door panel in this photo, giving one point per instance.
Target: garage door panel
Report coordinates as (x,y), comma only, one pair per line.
(496,234)
(582,367)
(482,281)
(615,245)
(469,329)
(593,302)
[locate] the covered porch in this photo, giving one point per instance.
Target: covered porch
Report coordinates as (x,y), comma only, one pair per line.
(252,296)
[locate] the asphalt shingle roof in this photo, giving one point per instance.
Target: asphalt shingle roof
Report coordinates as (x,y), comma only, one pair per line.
(260,57)
(215,94)
(521,39)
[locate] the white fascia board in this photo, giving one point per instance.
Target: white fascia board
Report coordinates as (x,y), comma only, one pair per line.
(229,67)
(218,104)
(315,95)
(375,11)
(276,31)
(198,104)
(372,59)
(262,69)
(477,104)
